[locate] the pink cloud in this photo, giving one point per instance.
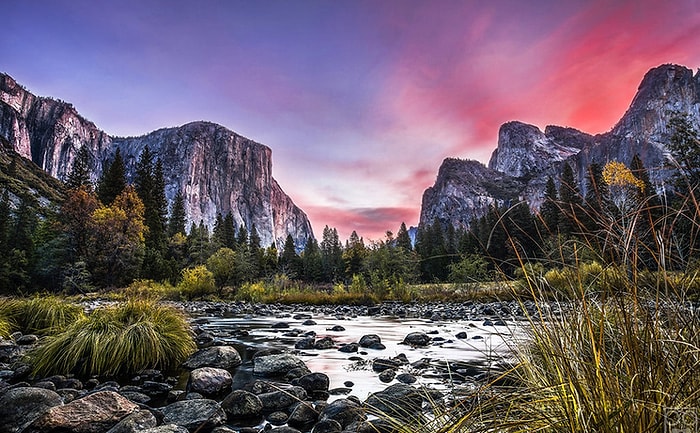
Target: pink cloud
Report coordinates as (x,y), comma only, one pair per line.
(369,223)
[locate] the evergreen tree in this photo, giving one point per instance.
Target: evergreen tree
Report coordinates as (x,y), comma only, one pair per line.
(331,255)
(178,218)
(289,260)
(217,235)
(354,255)
(80,172)
(570,199)
(198,244)
(255,253)
(229,231)
(549,211)
(403,240)
(311,261)
(113,180)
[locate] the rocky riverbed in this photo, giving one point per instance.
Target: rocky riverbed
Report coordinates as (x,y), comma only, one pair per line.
(282,369)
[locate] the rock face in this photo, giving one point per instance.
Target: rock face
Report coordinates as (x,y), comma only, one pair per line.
(526,156)
(217,170)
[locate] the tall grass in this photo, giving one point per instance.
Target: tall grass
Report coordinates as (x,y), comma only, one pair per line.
(43,315)
(126,338)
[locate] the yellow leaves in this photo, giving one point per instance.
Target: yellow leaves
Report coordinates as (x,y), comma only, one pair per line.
(617,174)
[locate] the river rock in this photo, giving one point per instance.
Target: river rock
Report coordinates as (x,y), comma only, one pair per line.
(324,343)
(417,339)
(193,414)
(225,357)
(277,418)
(345,411)
(303,417)
(368,340)
(242,404)
(397,401)
(94,413)
(349,348)
(167,428)
(20,406)
(381,364)
(327,426)
(387,375)
(276,365)
(282,399)
(209,380)
(406,378)
(136,422)
(305,343)
(314,383)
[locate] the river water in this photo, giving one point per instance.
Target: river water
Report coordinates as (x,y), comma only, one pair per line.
(485,345)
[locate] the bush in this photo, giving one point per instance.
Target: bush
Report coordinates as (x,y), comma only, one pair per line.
(196,282)
(149,289)
(252,292)
(122,339)
(43,315)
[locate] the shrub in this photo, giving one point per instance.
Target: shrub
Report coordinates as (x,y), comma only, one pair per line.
(149,289)
(197,282)
(252,292)
(122,339)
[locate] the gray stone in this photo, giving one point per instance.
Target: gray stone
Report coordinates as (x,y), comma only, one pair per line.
(19,407)
(193,414)
(369,339)
(276,365)
(417,339)
(282,399)
(345,411)
(303,416)
(242,404)
(135,422)
(167,428)
(398,401)
(225,357)
(210,380)
(94,413)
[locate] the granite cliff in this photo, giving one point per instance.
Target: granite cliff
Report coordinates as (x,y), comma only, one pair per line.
(526,156)
(217,170)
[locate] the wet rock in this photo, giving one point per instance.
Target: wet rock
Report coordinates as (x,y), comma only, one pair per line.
(381,364)
(155,389)
(225,357)
(369,339)
(27,339)
(461,335)
(336,328)
(282,399)
(280,325)
(303,417)
(20,406)
(345,411)
(70,394)
(309,322)
(324,343)
(349,348)
(209,380)
(327,426)
(167,428)
(305,343)
(275,365)
(406,378)
(136,422)
(94,413)
(417,339)
(135,396)
(193,414)
(277,418)
(387,375)
(242,404)
(314,383)
(46,385)
(398,401)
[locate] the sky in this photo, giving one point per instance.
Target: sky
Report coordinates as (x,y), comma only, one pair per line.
(360,101)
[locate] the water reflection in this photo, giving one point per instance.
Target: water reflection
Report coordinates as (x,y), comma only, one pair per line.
(479,342)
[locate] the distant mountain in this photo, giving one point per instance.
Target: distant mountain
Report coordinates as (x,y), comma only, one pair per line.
(526,156)
(217,170)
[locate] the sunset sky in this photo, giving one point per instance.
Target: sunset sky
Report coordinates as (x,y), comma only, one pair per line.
(360,101)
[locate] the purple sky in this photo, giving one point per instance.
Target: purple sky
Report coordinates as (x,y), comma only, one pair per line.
(360,101)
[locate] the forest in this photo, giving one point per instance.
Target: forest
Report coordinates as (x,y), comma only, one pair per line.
(108,235)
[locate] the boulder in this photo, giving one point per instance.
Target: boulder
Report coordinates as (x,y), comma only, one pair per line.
(314,382)
(324,343)
(345,411)
(397,401)
(225,357)
(282,399)
(369,339)
(201,414)
(276,365)
(417,339)
(210,380)
(136,422)
(327,426)
(94,413)
(303,417)
(242,404)
(20,406)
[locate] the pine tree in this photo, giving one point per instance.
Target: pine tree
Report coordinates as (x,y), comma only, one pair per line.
(178,218)
(570,199)
(229,231)
(403,240)
(549,210)
(289,260)
(311,261)
(113,180)
(331,255)
(80,172)
(354,255)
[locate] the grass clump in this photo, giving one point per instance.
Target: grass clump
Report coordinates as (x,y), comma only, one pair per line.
(43,315)
(122,339)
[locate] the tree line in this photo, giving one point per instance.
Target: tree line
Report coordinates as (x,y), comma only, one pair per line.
(112,233)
